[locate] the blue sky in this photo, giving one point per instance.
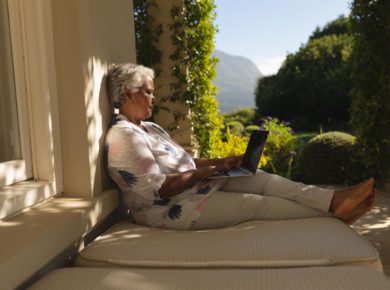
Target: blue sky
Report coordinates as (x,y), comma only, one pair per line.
(266,30)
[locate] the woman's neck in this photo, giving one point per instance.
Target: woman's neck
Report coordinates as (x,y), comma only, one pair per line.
(131,119)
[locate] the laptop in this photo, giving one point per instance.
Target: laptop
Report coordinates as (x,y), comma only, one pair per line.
(251,159)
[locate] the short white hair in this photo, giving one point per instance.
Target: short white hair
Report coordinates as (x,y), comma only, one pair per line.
(125,76)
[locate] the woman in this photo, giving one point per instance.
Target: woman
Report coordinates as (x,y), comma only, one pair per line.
(163,186)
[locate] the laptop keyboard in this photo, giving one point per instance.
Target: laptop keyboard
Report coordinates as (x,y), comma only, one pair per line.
(236,172)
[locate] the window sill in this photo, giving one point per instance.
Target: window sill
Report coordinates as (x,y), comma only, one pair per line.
(34,237)
(16,197)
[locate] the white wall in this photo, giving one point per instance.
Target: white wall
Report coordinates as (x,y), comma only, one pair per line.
(81,38)
(88,35)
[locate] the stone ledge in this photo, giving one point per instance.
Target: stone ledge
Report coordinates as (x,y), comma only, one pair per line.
(16,197)
(37,235)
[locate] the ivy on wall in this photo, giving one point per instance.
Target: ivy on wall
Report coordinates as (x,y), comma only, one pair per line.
(193,33)
(193,36)
(370,108)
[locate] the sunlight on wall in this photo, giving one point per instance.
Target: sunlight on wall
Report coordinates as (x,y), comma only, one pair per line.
(94,215)
(12,171)
(22,195)
(93,79)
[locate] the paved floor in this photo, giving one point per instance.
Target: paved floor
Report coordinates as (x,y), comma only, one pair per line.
(375,226)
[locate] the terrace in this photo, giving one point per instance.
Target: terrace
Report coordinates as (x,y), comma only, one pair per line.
(375,227)
(56,197)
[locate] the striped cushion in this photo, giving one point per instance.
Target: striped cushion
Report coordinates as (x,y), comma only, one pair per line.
(256,244)
(322,278)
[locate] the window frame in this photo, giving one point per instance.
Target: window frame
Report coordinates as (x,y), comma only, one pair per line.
(35,78)
(21,169)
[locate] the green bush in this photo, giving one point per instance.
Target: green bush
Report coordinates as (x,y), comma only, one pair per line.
(279,152)
(280,147)
(249,129)
(329,158)
(234,145)
(245,116)
(236,128)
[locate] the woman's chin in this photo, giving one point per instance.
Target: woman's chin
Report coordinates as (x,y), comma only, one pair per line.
(148,115)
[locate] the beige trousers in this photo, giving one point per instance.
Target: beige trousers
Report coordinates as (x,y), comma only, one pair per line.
(263,196)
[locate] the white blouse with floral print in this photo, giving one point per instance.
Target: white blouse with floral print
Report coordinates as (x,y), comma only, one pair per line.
(138,161)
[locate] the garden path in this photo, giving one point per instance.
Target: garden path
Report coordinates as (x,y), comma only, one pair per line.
(375,226)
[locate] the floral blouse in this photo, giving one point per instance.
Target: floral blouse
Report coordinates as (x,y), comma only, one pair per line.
(138,161)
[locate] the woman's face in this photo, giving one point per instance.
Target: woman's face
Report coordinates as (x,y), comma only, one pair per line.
(141,102)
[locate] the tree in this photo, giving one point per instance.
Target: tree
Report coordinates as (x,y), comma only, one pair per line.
(370,108)
(312,87)
(340,26)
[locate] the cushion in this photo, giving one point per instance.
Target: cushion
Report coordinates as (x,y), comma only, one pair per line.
(256,244)
(321,278)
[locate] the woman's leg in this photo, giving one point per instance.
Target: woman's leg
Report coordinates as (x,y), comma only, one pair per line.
(230,208)
(344,204)
(267,184)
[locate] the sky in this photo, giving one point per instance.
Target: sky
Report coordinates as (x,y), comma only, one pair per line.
(265,31)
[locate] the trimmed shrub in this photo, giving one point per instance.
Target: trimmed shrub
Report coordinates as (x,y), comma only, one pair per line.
(249,129)
(329,158)
(236,128)
(245,116)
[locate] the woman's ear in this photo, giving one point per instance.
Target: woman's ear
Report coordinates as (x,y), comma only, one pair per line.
(128,95)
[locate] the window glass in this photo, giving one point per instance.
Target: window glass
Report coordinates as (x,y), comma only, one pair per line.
(10,148)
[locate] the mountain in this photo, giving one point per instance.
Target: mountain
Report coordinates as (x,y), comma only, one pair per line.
(236,80)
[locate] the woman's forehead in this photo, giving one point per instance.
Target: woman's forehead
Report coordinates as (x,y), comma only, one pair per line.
(148,83)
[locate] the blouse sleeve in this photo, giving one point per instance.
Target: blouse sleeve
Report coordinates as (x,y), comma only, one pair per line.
(133,167)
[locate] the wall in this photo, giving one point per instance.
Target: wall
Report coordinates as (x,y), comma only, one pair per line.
(82,39)
(89,35)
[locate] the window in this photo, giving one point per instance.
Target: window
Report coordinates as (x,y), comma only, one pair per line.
(9,125)
(30,166)
(15,164)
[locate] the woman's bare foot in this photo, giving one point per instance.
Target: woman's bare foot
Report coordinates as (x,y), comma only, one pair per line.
(364,207)
(345,201)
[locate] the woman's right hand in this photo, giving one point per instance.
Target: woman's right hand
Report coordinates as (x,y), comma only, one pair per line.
(176,183)
(207,171)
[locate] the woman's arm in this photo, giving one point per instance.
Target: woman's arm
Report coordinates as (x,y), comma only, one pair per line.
(176,183)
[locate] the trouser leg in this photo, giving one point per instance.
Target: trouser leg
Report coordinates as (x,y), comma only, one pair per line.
(263,197)
(230,208)
(274,185)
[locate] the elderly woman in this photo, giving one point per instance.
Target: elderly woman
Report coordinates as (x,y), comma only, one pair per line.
(163,186)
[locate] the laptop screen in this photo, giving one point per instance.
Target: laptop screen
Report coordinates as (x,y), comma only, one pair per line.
(254,150)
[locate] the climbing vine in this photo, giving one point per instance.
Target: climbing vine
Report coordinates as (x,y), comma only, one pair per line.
(193,33)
